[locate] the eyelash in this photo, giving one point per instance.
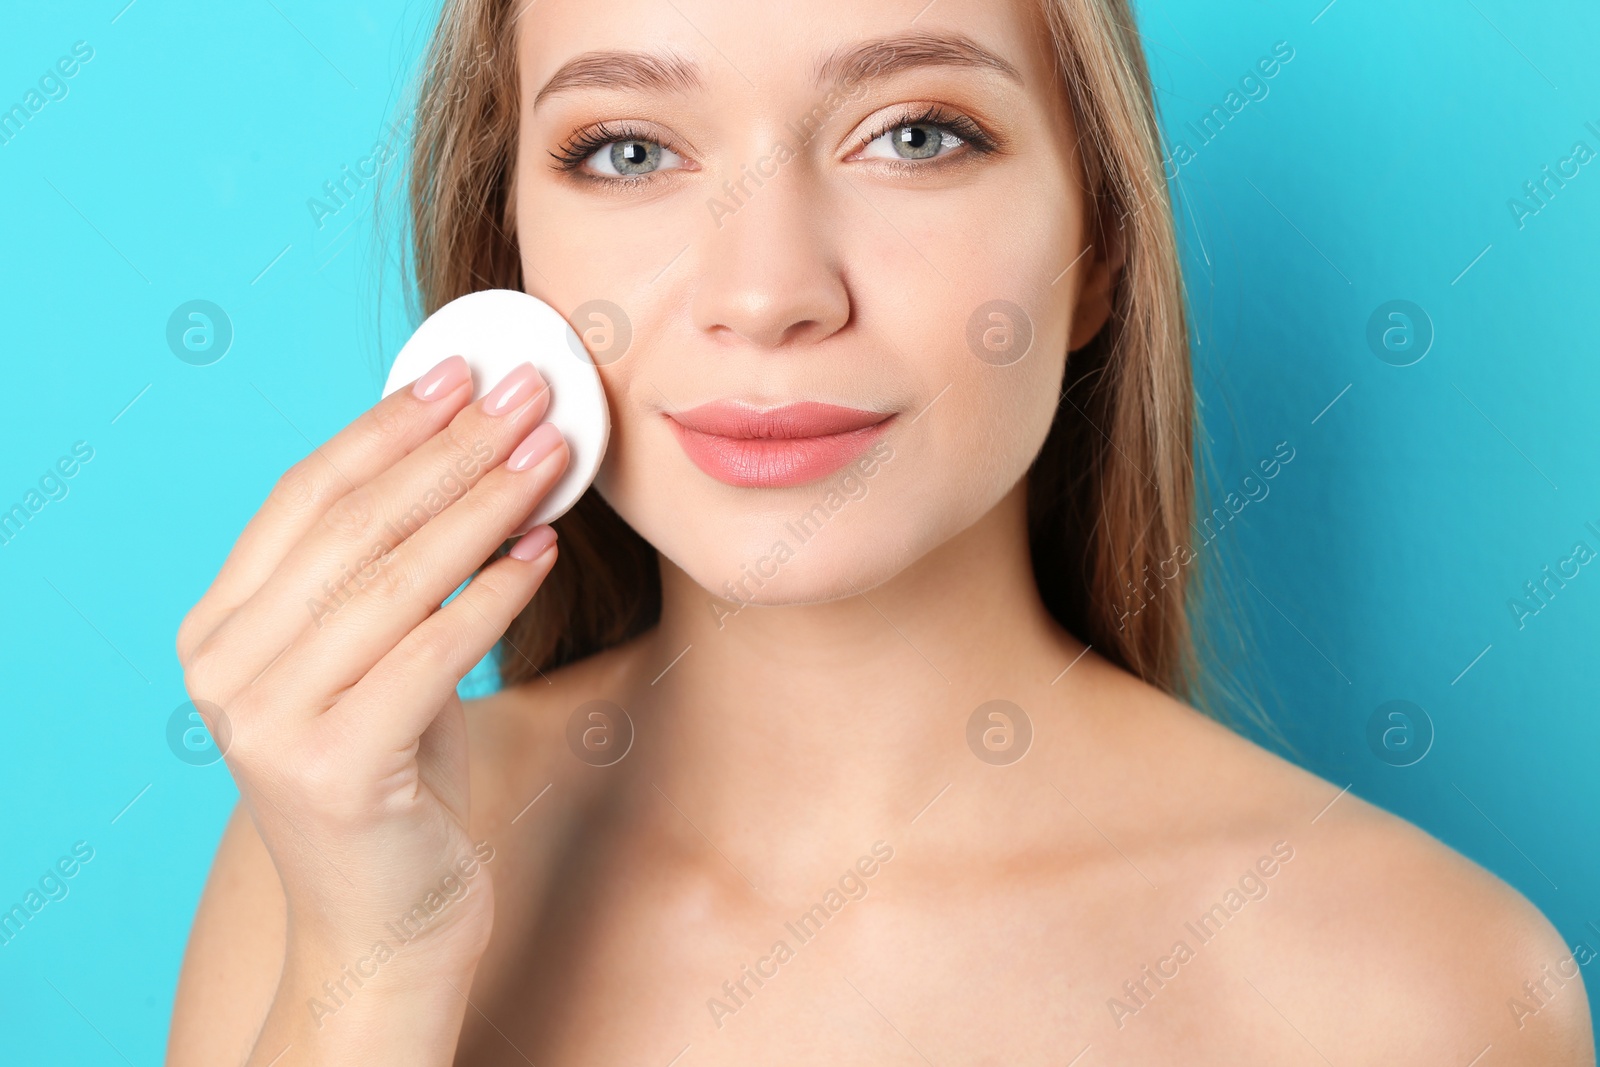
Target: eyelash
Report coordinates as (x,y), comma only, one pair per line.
(975,136)
(577,149)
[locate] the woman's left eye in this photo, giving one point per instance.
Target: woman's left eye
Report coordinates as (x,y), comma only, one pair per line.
(914,140)
(633,158)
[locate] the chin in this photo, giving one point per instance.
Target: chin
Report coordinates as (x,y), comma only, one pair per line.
(779,568)
(789,548)
(809,544)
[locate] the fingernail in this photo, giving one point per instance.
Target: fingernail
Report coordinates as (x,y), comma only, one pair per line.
(534,447)
(513,390)
(442,379)
(533,543)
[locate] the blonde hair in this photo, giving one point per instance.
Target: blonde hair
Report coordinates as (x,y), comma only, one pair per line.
(1111,494)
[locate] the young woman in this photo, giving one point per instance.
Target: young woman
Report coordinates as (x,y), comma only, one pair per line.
(851,720)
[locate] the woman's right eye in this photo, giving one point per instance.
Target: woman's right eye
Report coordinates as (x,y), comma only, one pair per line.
(632,158)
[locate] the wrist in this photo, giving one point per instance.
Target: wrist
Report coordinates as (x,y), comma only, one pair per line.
(439,935)
(383,968)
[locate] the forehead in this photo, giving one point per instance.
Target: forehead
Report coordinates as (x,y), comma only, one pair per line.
(770,45)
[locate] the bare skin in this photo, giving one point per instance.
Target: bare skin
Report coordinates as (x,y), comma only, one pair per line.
(815,741)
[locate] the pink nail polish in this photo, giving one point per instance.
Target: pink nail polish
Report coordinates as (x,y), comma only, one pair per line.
(536,446)
(514,390)
(533,543)
(442,379)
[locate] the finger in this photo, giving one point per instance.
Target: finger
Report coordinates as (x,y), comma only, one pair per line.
(370,444)
(346,545)
(397,700)
(409,585)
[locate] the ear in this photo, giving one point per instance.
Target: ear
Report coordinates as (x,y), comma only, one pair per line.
(1097,294)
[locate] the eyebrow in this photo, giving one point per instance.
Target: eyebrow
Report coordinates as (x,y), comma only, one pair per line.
(868,60)
(641,71)
(887,56)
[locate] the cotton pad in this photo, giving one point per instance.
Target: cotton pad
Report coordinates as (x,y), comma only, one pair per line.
(496,330)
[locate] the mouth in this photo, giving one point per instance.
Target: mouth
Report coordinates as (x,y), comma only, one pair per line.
(774,448)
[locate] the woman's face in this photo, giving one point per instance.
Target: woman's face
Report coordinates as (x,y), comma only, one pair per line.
(873,206)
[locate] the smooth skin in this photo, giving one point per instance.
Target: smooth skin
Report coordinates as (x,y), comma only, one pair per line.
(570,913)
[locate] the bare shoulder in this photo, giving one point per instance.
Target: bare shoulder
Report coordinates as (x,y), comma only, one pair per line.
(1433,949)
(1373,921)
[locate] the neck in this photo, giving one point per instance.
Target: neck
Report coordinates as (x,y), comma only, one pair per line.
(841,715)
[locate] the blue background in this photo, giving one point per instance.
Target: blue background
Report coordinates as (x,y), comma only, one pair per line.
(1378,167)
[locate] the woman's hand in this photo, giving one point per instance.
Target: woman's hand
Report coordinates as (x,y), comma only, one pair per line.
(326,668)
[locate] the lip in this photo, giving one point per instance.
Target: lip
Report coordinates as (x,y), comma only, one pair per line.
(741,445)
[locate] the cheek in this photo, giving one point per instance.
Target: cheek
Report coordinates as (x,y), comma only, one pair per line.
(1001,344)
(582,247)
(989,312)
(625,427)
(983,434)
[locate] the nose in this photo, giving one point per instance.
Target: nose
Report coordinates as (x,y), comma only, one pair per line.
(772,274)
